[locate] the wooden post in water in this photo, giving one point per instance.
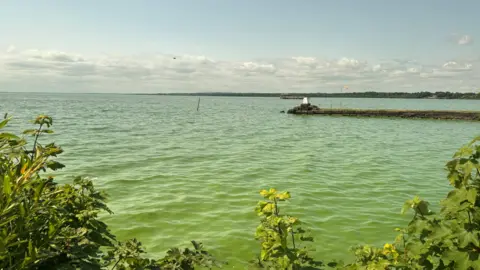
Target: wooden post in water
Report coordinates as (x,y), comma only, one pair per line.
(198,104)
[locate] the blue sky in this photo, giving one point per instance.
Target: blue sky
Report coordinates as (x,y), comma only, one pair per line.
(225,45)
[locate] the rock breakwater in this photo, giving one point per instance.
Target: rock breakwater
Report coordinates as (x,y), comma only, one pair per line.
(423,114)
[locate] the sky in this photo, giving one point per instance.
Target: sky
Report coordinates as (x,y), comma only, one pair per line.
(141,46)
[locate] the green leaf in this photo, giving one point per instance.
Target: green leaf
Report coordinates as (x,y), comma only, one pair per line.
(30,131)
(82,231)
(476,139)
(475,264)
(407,205)
(464,151)
(9,136)
(283,196)
(453,178)
(30,247)
(451,255)
(54,165)
(472,195)
(7,185)
(415,248)
(39,190)
(466,238)
(422,208)
(22,209)
(4,221)
(263,255)
(462,261)
(47,131)
(51,229)
(435,261)
(4,122)
(467,170)
(440,232)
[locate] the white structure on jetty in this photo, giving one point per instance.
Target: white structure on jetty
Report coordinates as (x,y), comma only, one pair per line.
(306,101)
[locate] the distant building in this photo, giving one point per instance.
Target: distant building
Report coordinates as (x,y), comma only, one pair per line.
(306,101)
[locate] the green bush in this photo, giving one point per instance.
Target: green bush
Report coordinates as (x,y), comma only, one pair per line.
(445,240)
(44,225)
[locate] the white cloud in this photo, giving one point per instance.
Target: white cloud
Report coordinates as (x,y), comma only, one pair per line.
(11,49)
(349,63)
(53,56)
(461,39)
(454,66)
(309,61)
(188,73)
(465,40)
(253,67)
(398,73)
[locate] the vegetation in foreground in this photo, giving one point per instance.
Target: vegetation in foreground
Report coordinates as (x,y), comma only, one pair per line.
(44,225)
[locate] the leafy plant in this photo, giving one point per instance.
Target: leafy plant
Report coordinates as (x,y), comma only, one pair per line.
(280,236)
(445,240)
(187,259)
(128,255)
(44,225)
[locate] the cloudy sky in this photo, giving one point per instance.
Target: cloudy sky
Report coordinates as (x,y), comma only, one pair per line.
(239,45)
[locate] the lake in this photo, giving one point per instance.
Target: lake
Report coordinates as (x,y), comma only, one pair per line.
(174,174)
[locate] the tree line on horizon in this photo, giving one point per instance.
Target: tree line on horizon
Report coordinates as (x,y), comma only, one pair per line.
(369,94)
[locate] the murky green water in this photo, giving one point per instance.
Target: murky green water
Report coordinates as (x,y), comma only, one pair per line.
(175,174)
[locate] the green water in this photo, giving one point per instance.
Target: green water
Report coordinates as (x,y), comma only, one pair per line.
(175,174)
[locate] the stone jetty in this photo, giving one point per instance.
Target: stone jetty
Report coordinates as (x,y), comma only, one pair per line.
(309,109)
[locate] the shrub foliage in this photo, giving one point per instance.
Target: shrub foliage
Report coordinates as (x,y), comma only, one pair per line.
(44,225)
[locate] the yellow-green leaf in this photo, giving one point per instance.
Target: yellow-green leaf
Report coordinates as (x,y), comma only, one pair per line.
(268,208)
(9,136)
(472,195)
(7,185)
(22,209)
(4,122)
(283,196)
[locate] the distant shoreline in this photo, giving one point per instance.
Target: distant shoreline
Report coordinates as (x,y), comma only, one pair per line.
(398,95)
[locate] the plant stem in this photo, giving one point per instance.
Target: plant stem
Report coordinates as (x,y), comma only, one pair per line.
(35,141)
(115,265)
(276,207)
(276,214)
(293,239)
(417,209)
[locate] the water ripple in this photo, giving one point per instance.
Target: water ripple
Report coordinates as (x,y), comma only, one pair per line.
(175,175)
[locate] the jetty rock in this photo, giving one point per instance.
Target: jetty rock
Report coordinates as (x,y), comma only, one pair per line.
(304,109)
(307,108)
(413,114)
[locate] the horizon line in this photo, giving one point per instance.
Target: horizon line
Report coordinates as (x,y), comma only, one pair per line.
(222,92)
